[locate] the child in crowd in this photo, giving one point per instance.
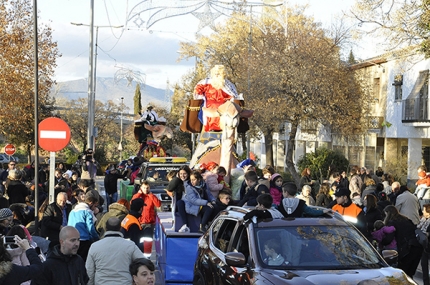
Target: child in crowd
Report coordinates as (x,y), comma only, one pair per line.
(222,202)
(356,199)
(264,209)
(221,174)
(423,182)
(384,235)
(272,249)
(291,206)
(276,188)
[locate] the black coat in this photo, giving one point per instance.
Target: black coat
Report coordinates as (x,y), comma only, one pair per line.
(111,181)
(17,192)
(52,221)
(371,216)
(323,200)
(405,235)
(250,197)
(176,186)
(62,269)
(12,274)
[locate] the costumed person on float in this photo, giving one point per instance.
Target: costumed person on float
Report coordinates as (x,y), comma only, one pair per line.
(150,127)
(149,115)
(215,91)
(153,150)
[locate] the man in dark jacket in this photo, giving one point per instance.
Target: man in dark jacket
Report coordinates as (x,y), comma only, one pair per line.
(63,265)
(110,182)
(55,218)
(130,225)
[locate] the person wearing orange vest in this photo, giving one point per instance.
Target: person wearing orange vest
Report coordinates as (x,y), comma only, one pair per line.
(130,225)
(350,211)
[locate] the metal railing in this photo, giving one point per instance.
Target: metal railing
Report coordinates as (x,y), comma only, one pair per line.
(415,110)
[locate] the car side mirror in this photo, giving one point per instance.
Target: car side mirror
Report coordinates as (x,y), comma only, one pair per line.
(390,256)
(236,259)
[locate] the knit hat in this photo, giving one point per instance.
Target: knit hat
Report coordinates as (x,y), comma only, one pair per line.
(137,204)
(245,163)
(342,192)
(5,213)
(274,176)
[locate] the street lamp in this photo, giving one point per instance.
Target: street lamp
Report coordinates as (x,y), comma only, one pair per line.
(92,76)
(120,140)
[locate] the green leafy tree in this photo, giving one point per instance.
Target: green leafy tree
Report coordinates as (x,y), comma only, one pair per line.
(17,72)
(107,121)
(321,160)
(351,58)
(137,99)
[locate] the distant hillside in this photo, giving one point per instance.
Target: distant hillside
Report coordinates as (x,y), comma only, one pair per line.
(107,89)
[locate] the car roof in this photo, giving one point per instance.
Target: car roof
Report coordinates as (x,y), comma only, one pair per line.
(327,219)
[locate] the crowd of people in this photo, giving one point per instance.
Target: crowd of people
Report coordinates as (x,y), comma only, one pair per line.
(75,240)
(386,212)
(75,236)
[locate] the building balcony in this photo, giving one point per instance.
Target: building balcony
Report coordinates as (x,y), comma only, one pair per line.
(415,112)
(375,124)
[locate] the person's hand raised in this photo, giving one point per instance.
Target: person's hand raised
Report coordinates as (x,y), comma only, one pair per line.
(22,243)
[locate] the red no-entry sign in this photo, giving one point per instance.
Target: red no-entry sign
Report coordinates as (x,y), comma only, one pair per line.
(9,149)
(54,134)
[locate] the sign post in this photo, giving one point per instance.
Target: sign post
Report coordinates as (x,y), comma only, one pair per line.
(54,135)
(10,150)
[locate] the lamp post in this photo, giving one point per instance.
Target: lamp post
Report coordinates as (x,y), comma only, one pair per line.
(120,140)
(92,76)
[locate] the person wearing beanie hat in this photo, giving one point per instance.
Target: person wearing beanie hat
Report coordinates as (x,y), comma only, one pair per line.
(130,225)
(6,218)
(276,182)
(294,207)
(349,210)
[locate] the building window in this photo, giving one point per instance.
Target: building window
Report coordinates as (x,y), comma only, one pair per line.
(376,89)
(398,82)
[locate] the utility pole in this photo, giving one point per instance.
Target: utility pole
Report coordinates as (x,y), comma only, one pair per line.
(120,140)
(92,77)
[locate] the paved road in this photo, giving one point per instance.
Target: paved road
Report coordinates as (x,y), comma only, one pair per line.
(166,219)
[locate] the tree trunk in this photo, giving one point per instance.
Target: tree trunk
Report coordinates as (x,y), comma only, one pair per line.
(268,139)
(289,155)
(28,150)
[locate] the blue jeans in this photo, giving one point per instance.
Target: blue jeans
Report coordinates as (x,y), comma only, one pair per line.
(111,199)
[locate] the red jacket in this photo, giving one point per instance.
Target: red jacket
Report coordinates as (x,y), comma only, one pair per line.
(425,180)
(148,213)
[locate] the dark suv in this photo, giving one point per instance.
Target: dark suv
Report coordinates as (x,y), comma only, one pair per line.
(324,250)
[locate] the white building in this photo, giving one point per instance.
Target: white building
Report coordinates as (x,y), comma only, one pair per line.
(399,118)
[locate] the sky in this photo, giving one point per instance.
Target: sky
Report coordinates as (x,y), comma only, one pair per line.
(153,51)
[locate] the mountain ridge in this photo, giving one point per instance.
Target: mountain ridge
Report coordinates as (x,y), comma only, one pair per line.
(107,89)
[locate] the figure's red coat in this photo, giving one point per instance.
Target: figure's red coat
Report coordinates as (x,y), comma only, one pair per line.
(214,99)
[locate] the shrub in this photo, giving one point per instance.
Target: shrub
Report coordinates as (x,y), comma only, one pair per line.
(320,160)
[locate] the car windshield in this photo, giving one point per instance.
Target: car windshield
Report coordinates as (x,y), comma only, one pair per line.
(159,173)
(315,247)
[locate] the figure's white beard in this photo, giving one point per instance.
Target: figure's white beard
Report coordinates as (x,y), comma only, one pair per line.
(217,82)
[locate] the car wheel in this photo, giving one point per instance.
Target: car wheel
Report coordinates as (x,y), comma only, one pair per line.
(198,280)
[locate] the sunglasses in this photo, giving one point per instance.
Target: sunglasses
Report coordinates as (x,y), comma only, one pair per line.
(12,164)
